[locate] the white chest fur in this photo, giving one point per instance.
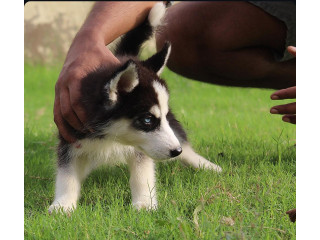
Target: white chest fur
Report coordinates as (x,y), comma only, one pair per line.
(99,151)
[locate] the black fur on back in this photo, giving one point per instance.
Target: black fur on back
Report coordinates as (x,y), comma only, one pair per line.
(132,41)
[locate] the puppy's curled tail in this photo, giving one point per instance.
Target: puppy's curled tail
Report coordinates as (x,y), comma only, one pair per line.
(132,41)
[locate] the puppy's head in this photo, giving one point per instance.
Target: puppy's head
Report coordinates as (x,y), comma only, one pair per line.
(136,106)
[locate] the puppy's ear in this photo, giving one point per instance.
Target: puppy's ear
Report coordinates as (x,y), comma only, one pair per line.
(124,80)
(158,61)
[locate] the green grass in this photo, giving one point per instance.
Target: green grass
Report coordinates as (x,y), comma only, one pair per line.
(230,126)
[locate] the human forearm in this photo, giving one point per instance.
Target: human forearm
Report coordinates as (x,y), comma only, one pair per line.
(109,20)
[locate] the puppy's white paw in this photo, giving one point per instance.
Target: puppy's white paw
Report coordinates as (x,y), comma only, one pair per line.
(57,207)
(211,166)
(145,205)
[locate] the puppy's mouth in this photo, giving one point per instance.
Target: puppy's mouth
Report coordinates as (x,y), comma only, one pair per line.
(157,157)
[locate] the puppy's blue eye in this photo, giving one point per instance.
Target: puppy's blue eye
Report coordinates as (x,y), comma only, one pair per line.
(147,120)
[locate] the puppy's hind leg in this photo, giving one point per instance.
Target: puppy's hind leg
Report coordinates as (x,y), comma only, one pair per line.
(142,182)
(191,158)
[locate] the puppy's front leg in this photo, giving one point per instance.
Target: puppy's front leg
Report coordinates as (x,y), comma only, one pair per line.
(67,190)
(142,182)
(71,172)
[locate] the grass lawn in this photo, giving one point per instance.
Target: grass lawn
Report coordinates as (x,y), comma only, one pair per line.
(230,126)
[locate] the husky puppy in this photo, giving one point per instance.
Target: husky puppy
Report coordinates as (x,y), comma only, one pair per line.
(131,121)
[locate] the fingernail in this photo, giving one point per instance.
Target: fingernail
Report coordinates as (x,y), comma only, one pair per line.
(275,97)
(285,119)
(274,111)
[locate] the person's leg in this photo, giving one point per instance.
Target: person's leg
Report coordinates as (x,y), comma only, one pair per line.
(227,43)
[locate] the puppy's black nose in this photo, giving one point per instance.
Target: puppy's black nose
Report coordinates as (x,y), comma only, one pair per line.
(176,152)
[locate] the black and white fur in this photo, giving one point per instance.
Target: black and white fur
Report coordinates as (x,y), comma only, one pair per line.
(130,121)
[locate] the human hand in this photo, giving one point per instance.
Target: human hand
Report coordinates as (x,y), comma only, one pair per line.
(289,110)
(86,53)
